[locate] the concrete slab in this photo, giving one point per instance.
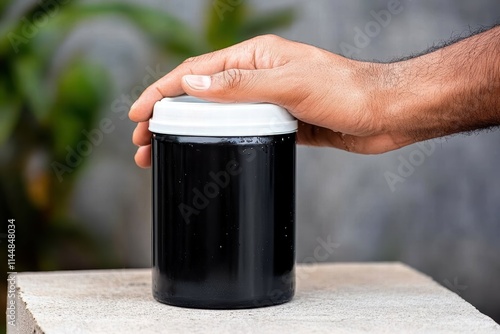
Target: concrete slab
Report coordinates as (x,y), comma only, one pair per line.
(330,298)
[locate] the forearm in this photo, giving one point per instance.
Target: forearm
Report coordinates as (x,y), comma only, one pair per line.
(355,106)
(454,89)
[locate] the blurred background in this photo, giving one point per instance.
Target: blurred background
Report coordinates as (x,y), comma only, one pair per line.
(71,70)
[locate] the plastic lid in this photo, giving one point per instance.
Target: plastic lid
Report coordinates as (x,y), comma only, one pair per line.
(186,115)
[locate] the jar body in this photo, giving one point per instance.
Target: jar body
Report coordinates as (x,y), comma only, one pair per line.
(223,220)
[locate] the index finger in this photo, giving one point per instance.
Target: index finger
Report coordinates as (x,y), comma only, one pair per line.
(237,56)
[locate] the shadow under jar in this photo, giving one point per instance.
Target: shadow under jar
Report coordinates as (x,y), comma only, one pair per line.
(223,204)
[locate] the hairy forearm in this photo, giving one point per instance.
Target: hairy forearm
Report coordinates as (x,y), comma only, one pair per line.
(454,89)
(357,106)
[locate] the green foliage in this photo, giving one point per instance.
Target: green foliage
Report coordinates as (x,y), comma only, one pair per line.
(9,113)
(227,25)
(165,31)
(45,106)
(82,87)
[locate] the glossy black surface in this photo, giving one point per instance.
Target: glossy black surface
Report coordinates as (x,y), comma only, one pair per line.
(223,220)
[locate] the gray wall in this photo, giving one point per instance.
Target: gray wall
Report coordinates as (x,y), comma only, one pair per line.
(444,219)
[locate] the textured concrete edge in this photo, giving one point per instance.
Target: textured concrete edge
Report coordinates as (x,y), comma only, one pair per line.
(442,287)
(25,321)
(403,266)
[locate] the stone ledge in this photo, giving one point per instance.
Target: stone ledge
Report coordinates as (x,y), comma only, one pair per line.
(340,298)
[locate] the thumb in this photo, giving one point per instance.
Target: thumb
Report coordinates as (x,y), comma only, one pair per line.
(233,85)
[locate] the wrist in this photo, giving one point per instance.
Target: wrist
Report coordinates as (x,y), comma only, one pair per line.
(388,102)
(411,97)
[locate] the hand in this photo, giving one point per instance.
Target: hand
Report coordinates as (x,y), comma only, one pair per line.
(329,94)
(355,106)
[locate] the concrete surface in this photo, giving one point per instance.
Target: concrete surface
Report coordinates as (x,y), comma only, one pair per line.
(330,298)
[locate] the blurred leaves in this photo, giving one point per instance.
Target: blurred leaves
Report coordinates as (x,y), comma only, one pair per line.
(27,49)
(264,23)
(224,23)
(9,114)
(164,30)
(29,84)
(82,87)
(227,24)
(45,106)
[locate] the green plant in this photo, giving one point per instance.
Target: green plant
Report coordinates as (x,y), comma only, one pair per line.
(44,108)
(37,122)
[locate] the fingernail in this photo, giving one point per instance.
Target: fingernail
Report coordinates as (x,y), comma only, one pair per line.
(198,82)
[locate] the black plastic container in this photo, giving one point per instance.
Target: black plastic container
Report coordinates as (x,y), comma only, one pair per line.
(223,204)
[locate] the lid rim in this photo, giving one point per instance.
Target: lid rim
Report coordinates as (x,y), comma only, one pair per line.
(190,116)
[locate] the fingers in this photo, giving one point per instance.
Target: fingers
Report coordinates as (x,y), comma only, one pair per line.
(141,135)
(142,109)
(231,69)
(143,156)
(234,85)
(240,56)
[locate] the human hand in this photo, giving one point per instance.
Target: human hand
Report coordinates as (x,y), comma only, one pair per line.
(333,97)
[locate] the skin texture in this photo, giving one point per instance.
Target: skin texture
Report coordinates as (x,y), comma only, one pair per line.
(360,107)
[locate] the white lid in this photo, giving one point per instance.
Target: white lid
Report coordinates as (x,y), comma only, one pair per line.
(189,116)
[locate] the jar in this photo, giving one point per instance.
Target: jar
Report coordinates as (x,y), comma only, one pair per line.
(223,180)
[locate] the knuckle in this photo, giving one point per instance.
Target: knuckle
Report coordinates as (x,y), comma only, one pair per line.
(270,38)
(232,78)
(190,60)
(201,58)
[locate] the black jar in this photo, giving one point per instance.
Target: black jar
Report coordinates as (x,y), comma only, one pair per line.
(223,204)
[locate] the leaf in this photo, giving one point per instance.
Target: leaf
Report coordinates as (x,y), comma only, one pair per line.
(30,86)
(10,111)
(11,23)
(82,89)
(223,22)
(3,8)
(266,23)
(162,28)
